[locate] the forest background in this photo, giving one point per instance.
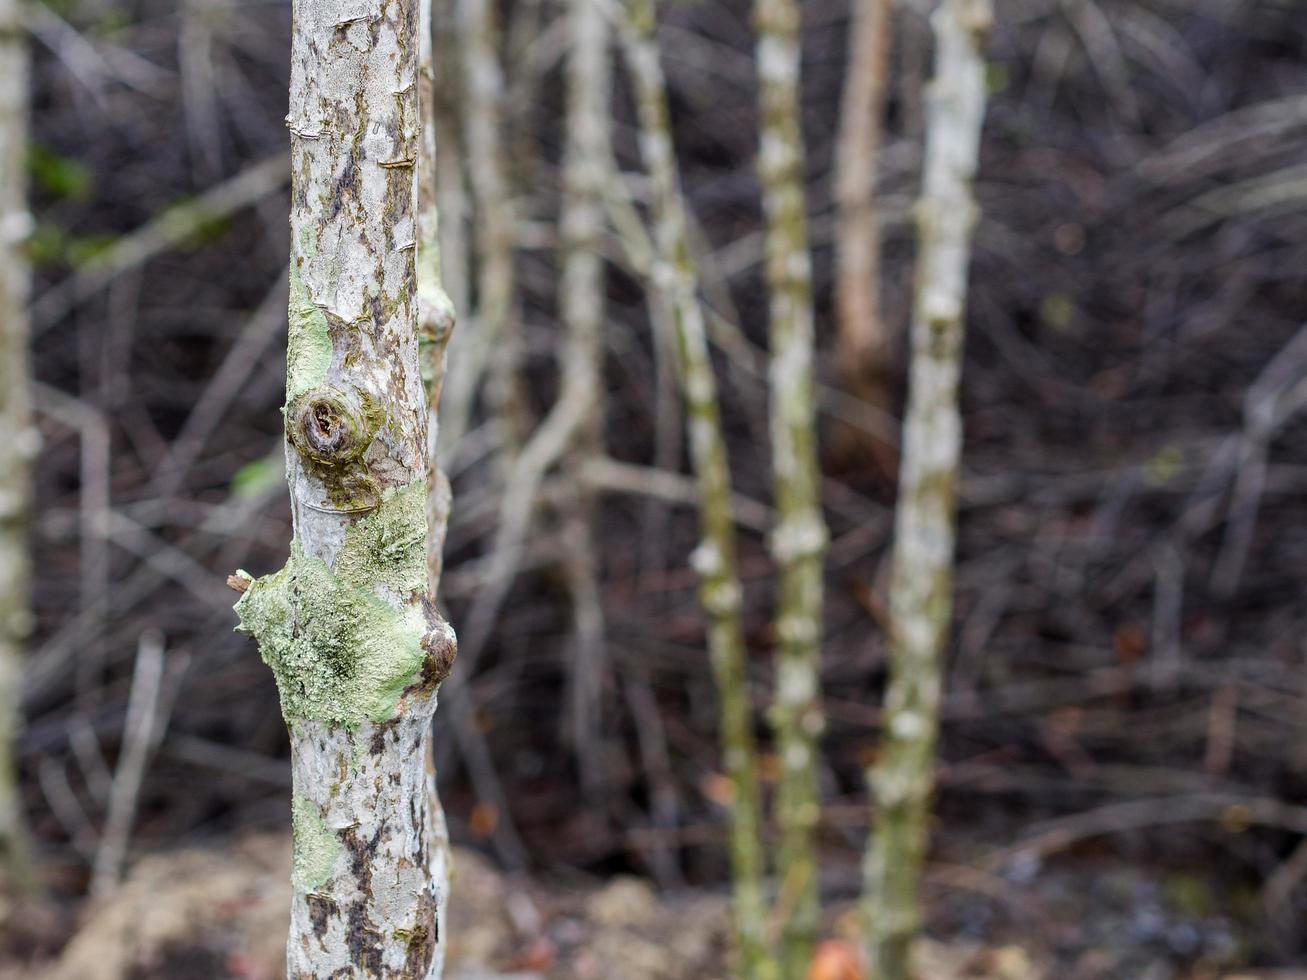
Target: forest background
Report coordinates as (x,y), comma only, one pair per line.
(1123,744)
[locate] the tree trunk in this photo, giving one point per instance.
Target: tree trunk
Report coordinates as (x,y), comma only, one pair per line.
(925,525)
(347,626)
(581,226)
(863,336)
(714,560)
(491,346)
(799,540)
(436,318)
(19,446)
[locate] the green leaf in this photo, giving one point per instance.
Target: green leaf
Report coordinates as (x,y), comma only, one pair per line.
(256,478)
(61,177)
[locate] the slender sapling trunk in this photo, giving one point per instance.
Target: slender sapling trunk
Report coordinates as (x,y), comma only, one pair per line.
(714,560)
(798,542)
(925,522)
(21,439)
(347,625)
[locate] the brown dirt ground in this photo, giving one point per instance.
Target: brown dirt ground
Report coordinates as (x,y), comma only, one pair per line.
(209,914)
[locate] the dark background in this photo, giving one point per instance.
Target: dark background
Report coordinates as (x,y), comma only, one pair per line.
(1127,665)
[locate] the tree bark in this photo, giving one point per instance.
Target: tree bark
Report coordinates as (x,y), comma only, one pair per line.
(714,560)
(925,524)
(19,446)
(347,625)
(798,542)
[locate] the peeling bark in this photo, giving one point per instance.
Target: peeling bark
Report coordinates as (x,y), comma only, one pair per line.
(798,543)
(925,523)
(348,626)
(20,444)
(714,560)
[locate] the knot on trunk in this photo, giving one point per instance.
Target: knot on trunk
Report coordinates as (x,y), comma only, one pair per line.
(332,426)
(440,646)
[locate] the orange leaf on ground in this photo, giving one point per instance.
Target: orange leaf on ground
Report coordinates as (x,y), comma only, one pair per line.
(836,959)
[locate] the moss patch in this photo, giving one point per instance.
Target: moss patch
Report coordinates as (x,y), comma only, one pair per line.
(340,651)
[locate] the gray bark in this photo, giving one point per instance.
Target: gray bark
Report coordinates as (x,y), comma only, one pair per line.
(347,625)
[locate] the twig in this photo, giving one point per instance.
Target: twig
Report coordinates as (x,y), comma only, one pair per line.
(143,720)
(207,415)
(159,235)
(67,809)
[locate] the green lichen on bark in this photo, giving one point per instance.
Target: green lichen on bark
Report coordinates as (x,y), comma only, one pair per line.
(316,847)
(308,340)
(388,547)
(341,650)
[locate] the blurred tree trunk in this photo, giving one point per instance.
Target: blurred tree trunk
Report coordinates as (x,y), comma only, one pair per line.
(714,560)
(864,342)
(19,444)
(436,318)
(491,345)
(451,177)
(581,226)
(925,524)
(798,542)
(347,625)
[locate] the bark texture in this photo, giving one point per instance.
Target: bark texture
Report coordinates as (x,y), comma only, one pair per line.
(347,625)
(714,560)
(863,336)
(20,444)
(798,542)
(925,525)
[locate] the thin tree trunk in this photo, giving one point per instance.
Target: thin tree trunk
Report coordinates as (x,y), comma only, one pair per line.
(719,584)
(581,300)
(451,178)
(490,345)
(799,540)
(19,446)
(925,525)
(436,318)
(347,626)
(863,336)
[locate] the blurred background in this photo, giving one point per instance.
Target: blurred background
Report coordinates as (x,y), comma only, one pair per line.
(1123,767)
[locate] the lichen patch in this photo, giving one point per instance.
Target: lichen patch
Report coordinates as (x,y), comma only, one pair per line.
(345,645)
(388,548)
(308,340)
(316,847)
